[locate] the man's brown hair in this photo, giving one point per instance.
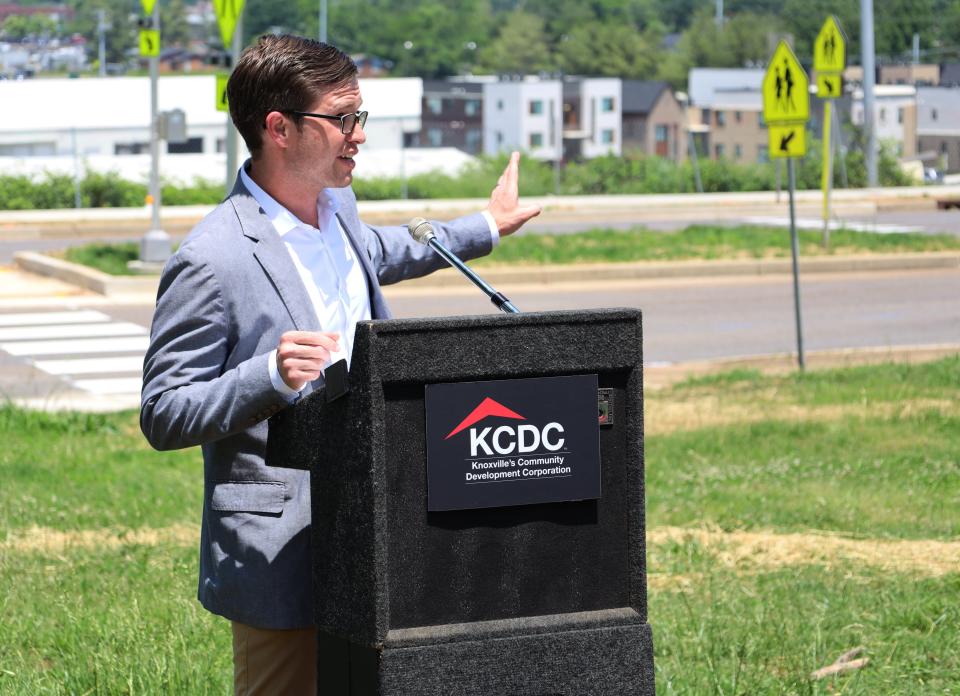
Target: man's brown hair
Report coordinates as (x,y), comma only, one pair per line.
(282,73)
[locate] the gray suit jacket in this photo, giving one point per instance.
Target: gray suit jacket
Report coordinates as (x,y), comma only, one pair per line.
(225,298)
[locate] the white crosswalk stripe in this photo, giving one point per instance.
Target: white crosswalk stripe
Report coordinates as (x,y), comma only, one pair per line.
(84,348)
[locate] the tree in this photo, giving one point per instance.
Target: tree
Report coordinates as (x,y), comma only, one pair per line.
(174,30)
(19,27)
(614,50)
(120,15)
(521,46)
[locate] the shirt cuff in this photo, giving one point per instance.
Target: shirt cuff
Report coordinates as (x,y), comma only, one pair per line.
(276,380)
(494,232)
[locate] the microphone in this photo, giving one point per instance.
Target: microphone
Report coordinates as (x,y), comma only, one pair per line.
(422,231)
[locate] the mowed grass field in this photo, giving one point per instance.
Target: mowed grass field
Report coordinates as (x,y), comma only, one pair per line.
(790,519)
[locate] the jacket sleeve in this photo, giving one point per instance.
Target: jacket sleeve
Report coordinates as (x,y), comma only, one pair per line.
(188,396)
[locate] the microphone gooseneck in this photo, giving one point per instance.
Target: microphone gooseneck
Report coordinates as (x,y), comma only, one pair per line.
(422,231)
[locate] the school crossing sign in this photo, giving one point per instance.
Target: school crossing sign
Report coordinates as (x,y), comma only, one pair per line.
(786,103)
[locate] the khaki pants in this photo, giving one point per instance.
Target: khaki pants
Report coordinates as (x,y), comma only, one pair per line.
(267,662)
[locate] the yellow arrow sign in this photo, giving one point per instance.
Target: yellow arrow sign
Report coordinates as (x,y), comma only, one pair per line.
(830,48)
(787,141)
(829,85)
(148,6)
(228,13)
(222,103)
(786,90)
(149,43)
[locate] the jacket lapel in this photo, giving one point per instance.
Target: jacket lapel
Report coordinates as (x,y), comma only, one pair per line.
(351,226)
(273,257)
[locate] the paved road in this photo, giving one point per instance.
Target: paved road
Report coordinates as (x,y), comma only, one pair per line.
(54,351)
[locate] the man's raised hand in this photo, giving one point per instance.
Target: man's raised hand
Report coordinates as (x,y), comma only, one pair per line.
(504,203)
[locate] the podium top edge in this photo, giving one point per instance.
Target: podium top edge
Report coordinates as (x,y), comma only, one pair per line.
(568,317)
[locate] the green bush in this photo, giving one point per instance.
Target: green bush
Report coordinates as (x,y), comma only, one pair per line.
(630,174)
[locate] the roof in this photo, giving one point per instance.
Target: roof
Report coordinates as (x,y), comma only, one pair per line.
(124,102)
(640,96)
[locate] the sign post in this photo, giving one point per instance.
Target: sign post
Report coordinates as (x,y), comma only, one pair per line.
(155,245)
(786,109)
(230,20)
(829,60)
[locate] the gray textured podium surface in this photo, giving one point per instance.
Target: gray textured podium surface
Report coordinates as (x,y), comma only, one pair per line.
(402,588)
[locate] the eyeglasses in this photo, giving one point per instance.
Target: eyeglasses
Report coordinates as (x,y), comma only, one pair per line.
(347,121)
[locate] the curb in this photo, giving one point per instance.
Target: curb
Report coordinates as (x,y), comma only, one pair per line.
(85,277)
(113,286)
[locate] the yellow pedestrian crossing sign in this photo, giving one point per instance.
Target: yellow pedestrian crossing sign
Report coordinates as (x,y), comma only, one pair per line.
(148,6)
(787,141)
(149,43)
(228,14)
(786,90)
(830,48)
(222,103)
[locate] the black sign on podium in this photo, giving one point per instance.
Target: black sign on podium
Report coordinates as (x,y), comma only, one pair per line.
(527,585)
(518,442)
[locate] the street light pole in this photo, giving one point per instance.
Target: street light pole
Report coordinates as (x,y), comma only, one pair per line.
(867,60)
(323,21)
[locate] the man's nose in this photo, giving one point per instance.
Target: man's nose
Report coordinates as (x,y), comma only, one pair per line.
(358,136)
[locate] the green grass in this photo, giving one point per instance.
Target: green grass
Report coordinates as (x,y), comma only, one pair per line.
(637,244)
(109,258)
(121,618)
(701,242)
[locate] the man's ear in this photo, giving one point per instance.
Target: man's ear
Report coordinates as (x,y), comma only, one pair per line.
(277,129)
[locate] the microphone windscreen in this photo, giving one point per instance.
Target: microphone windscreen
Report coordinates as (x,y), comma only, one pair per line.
(421,230)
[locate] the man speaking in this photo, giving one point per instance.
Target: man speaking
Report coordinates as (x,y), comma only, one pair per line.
(259,299)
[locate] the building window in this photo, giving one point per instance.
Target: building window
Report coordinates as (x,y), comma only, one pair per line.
(435,105)
(883,115)
(27,149)
(499,104)
(536,140)
(499,135)
(472,139)
(719,150)
(761,121)
(606,136)
(221,145)
(661,133)
(737,116)
(721,118)
(763,154)
(933,114)
(606,104)
(737,152)
(193,145)
(536,107)
(130,148)
(434,137)
(900,115)
(471,107)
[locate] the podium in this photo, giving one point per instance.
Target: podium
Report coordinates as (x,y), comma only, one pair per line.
(540,598)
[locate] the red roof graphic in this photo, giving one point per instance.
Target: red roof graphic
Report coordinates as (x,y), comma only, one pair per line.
(488,407)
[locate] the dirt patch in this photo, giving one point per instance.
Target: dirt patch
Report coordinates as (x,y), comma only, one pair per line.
(746,550)
(710,410)
(49,541)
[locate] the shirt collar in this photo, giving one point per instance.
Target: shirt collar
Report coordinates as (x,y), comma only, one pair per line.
(282,219)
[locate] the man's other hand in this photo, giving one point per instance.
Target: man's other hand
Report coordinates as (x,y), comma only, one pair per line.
(302,355)
(504,203)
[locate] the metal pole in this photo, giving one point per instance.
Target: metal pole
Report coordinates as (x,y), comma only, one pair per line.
(827,177)
(155,245)
(720,13)
(76,168)
(779,177)
(232,144)
(696,163)
(323,21)
(867,60)
(916,50)
(795,249)
(155,129)
(102,42)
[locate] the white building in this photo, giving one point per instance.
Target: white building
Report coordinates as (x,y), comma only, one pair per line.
(938,127)
(894,115)
(524,114)
(593,116)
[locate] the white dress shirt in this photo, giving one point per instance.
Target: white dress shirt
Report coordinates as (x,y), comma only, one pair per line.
(329,268)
